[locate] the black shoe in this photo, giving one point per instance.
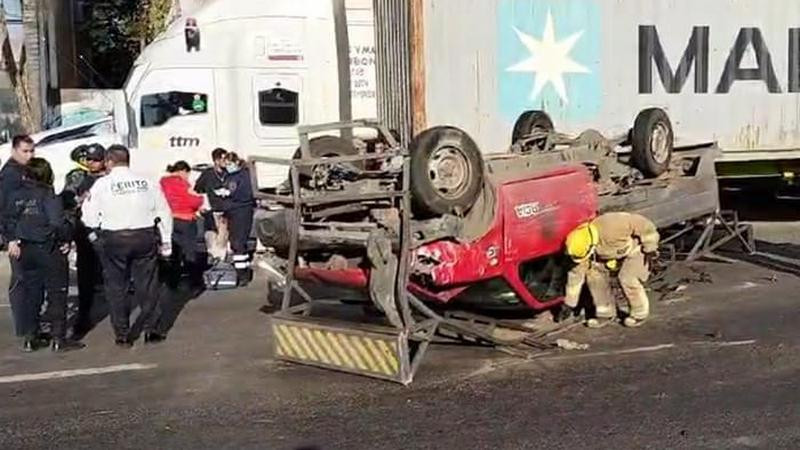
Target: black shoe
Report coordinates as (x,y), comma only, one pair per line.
(66,345)
(124,343)
(154,338)
(33,344)
(29,346)
(564,313)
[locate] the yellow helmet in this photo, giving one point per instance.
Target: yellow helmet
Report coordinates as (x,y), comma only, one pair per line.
(581,242)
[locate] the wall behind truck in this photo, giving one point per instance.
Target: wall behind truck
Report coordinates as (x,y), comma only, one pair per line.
(725,70)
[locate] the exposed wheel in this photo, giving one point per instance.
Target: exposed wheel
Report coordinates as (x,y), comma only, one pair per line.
(530,122)
(652,141)
(446,171)
(327,147)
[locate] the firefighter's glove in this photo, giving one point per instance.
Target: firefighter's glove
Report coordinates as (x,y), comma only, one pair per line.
(564,313)
(651,260)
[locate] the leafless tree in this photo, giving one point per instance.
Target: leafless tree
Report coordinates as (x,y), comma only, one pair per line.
(16,66)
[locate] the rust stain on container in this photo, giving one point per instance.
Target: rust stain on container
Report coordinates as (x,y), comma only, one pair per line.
(749,137)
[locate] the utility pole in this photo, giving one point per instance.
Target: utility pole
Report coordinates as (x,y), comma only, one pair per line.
(343,64)
(419,119)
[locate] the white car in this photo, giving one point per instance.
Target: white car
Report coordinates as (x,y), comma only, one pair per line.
(56,144)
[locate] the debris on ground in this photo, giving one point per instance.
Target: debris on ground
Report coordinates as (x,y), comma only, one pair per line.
(773,278)
(671,300)
(508,334)
(566,344)
(673,284)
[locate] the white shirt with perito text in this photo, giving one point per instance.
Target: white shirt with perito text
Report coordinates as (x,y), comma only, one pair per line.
(123,200)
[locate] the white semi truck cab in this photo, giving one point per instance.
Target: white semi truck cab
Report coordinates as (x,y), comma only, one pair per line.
(238,75)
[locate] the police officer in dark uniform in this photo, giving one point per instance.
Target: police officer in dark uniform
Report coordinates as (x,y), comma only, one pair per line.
(36,223)
(238,190)
(11,176)
(90,160)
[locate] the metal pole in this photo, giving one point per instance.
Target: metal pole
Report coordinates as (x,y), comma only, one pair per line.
(45,61)
(401,292)
(294,242)
(343,59)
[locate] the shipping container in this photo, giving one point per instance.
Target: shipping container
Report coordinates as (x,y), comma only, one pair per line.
(726,71)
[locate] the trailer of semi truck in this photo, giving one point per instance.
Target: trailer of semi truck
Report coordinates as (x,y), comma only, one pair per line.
(725,71)
(242,75)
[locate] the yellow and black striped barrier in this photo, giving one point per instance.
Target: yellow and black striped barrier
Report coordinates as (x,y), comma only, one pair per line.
(359,349)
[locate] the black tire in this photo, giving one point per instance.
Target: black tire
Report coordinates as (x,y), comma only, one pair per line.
(432,196)
(652,140)
(528,122)
(326,147)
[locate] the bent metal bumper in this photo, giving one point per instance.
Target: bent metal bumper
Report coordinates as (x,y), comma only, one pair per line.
(379,352)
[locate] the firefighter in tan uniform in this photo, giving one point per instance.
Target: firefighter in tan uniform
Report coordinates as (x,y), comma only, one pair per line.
(614,242)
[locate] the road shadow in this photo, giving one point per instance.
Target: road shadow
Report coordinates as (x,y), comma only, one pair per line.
(176,291)
(782,257)
(87,313)
(174,294)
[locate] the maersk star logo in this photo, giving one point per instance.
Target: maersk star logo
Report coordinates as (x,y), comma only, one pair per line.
(549,59)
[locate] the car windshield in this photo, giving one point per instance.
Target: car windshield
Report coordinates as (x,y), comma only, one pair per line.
(85,131)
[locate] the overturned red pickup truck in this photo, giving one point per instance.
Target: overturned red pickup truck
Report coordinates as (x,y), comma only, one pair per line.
(482,223)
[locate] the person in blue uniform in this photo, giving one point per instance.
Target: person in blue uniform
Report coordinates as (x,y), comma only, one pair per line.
(240,207)
(37,225)
(11,176)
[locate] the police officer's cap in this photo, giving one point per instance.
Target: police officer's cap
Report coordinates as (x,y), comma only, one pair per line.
(95,152)
(79,153)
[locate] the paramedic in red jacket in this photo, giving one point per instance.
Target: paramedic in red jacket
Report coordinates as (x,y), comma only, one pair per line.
(185,205)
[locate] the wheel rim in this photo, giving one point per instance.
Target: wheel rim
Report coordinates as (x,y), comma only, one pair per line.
(449,172)
(659,143)
(539,143)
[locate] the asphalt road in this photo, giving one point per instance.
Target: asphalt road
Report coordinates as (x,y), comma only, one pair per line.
(716,368)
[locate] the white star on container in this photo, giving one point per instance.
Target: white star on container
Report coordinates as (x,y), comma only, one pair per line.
(550,59)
